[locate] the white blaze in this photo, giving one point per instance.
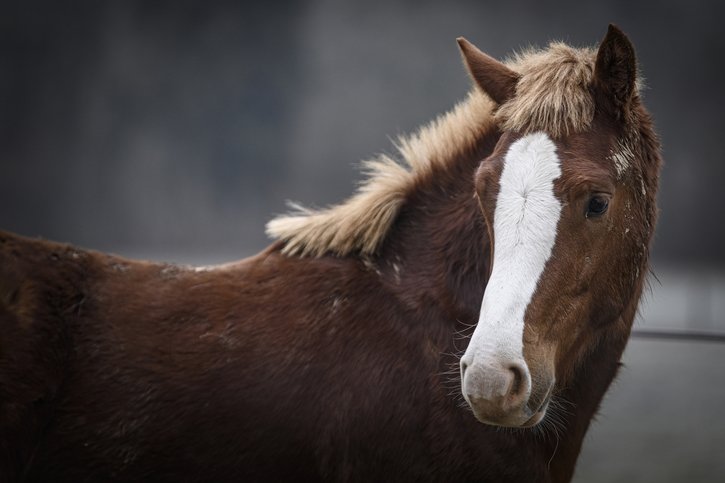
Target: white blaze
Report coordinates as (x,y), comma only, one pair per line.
(524,231)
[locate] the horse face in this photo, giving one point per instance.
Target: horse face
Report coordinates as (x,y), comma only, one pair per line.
(567,233)
(522,212)
(563,228)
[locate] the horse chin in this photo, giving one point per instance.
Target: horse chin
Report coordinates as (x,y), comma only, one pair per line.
(537,417)
(540,413)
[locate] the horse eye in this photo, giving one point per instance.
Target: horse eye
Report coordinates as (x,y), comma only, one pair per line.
(597,206)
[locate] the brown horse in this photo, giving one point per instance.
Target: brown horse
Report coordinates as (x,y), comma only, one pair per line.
(337,354)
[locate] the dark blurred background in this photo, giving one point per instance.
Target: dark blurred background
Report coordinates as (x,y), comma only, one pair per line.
(175,130)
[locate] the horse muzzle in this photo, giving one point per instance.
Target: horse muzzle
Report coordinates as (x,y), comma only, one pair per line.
(499,391)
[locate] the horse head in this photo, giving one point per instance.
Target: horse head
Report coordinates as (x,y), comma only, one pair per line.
(568,199)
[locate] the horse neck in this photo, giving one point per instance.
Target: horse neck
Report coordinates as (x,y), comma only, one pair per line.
(437,260)
(584,395)
(437,255)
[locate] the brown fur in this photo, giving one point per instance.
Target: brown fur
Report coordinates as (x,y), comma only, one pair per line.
(338,366)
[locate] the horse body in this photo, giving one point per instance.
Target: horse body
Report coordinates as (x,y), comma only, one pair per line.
(160,373)
(330,356)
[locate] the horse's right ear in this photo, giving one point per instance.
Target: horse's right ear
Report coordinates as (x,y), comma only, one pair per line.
(492,76)
(615,71)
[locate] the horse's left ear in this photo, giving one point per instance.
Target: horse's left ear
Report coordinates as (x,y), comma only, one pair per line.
(615,72)
(492,76)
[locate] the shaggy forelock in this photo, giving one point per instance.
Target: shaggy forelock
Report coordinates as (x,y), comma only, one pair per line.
(553,93)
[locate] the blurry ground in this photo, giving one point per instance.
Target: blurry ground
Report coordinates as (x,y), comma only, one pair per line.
(662,419)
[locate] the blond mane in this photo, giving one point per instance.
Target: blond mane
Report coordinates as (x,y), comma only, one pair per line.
(552,95)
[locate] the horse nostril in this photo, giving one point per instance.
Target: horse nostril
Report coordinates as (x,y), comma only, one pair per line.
(519,387)
(464,366)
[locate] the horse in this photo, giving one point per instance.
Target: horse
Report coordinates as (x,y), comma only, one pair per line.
(458,318)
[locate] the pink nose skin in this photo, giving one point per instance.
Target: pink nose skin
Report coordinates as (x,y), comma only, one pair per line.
(497,390)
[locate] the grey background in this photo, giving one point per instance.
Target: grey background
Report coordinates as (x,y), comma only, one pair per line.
(175,130)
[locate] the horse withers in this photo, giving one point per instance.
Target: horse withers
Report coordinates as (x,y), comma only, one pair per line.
(488,279)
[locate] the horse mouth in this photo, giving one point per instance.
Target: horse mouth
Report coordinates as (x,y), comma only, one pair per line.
(534,417)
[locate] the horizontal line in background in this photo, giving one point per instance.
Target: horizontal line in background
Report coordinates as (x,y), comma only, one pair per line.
(685,335)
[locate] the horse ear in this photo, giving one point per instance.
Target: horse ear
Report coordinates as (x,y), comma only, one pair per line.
(615,71)
(492,76)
